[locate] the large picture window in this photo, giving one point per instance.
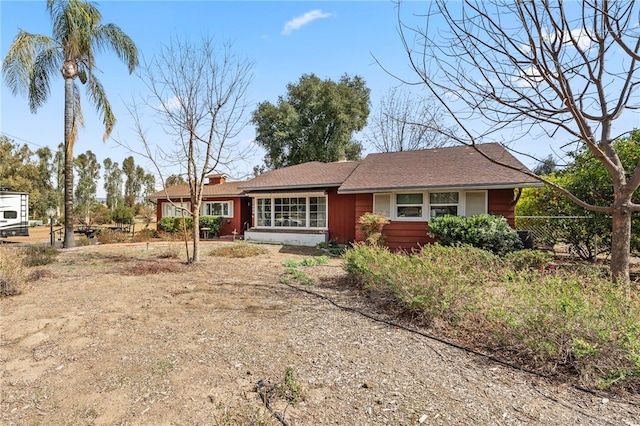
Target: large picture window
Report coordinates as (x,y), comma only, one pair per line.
(291,212)
(218,208)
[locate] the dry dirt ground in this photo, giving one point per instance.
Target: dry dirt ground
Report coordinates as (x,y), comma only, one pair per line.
(93,342)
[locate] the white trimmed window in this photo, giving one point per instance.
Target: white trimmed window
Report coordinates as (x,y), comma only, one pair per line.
(176,209)
(443,203)
(421,206)
(263,212)
(292,212)
(217,208)
(409,205)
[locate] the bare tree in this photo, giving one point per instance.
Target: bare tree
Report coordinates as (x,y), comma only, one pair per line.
(197,92)
(536,68)
(405,122)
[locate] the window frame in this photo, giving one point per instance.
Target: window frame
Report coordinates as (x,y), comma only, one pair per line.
(261,201)
(397,205)
(379,201)
(175,208)
(458,205)
(228,203)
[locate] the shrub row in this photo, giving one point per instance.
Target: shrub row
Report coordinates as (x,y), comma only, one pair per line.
(177,224)
(563,320)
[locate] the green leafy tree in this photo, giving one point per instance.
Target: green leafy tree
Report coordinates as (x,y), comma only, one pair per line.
(315,121)
(58,172)
(19,172)
(546,166)
(587,178)
(538,69)
(112,183)
(132,183)
(46,182)
(174,180)
(137,183)
(88,170)
(33,60)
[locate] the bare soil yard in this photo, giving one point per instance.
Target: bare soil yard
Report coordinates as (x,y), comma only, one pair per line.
(122,335)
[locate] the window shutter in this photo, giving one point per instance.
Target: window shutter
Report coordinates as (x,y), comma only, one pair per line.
(476,203)
(382,204)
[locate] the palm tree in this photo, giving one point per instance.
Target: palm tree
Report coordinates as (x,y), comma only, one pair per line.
(33,60)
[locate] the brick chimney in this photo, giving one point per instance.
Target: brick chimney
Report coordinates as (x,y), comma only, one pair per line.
(216,179)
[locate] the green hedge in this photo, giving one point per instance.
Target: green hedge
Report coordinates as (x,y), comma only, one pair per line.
(487,232)
(174,224)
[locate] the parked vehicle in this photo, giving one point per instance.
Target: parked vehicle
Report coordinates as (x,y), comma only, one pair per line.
(14,213)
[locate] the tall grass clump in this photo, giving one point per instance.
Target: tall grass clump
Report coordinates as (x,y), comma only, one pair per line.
(12,270)
(567,321)
(35,255)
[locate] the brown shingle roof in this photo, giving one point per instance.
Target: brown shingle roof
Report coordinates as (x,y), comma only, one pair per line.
(307,175)
(450,167)
(227,189)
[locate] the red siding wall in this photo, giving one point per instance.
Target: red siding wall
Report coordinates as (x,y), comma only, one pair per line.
(408,235)
(502,202)
(229,224)
(241,213)
(364,204)
(341,216)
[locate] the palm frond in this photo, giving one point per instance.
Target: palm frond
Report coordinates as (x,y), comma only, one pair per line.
(111,37)
(78,118)
(46,65)
(99,99)
(18,65)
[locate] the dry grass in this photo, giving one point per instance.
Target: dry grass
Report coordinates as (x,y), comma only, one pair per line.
(13,275)
(93,345)
(238,250)
(152,267)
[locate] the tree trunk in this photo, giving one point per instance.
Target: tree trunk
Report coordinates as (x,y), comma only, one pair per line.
(68,163)
(196,235)
(620,244)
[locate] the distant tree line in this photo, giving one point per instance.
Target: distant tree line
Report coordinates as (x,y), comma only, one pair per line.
(41,174)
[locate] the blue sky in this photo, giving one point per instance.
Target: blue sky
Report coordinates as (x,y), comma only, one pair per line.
(284,39)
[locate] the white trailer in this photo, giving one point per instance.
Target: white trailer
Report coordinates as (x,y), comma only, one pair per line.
(14,213)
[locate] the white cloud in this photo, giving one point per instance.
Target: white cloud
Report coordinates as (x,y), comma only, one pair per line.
(530,77)
(302,20)
(579,36)
(170,104)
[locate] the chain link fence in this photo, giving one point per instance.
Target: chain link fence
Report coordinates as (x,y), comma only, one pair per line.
(554,232)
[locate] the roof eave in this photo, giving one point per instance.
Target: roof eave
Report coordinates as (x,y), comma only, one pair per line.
(289,187)
(440,187)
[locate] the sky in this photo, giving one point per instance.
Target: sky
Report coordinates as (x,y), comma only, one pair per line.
(284,39)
